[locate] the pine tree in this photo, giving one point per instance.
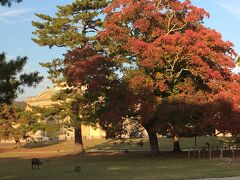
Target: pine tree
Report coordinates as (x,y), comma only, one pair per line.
(16,123)
(10,85)
(9,2)
(74,25)
(12,80)
(51,120)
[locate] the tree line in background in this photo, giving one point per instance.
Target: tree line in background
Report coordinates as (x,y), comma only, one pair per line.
(14,120)
(9,2)
(154,63)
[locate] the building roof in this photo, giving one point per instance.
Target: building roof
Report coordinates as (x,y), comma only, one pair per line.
(43,96)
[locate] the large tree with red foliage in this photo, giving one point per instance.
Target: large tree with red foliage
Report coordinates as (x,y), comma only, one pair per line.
(167,54)
(162,57)
(104,94)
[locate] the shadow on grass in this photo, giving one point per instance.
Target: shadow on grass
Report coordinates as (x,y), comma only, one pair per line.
(127,144)
(7,147)
(6,150)
(133,165)
(165,144)
(41,144)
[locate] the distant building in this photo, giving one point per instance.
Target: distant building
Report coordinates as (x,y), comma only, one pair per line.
(44,100)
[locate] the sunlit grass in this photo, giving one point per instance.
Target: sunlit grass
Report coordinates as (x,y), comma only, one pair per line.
(59,163)
(130,144)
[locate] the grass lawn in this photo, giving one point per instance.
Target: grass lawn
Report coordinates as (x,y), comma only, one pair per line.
(59,163)
(117,166)
(164,143)
(102,144)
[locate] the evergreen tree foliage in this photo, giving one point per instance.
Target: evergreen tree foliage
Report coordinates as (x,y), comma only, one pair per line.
(16,123)
(9,2)
(51,120)
(12,80)
(74,25)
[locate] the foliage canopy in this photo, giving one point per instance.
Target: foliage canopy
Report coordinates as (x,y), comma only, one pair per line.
(12,80)
(145,61)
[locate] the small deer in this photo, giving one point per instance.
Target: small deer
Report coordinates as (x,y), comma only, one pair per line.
(140,143)
(228,160)
(36,162)
(77,168)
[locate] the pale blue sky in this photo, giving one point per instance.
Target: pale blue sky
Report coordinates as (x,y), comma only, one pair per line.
(16,31)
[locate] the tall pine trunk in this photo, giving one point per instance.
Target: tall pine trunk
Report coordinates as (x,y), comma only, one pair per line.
(176,144)
(78,140)
(153,140)
(77,129)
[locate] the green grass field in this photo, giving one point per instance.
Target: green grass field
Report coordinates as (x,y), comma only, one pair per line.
(15,165)
(117,166)
(102,144)
(164,143)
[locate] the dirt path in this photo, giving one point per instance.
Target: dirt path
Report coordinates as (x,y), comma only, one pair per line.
(226,178)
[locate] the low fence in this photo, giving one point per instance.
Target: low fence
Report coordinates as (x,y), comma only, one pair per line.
(209,153)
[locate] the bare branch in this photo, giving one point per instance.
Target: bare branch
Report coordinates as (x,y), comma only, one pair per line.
(159,3)
(173,29)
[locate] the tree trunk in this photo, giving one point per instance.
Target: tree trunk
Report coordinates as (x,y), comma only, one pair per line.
(77,129)
(78,140)
(153,141)
(19,145)
(176,144)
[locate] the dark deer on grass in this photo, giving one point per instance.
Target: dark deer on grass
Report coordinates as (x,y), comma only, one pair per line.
(140,143)
(36,162)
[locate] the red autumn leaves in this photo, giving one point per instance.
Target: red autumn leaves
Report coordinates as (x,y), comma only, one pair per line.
(168,56)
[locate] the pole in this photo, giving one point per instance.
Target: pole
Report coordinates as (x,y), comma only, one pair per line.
(221,154)
(195,138)
(233,155)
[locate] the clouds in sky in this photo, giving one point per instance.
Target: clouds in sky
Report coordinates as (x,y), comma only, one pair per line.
(13,16)
(232,6)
